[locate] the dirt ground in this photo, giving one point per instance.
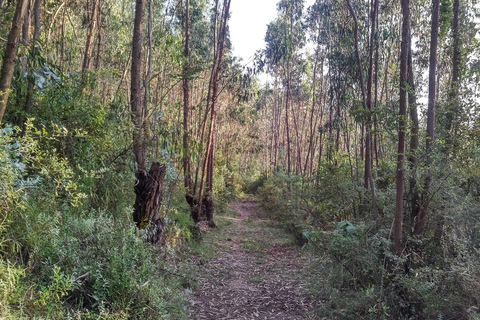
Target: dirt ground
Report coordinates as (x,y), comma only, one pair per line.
(255,271)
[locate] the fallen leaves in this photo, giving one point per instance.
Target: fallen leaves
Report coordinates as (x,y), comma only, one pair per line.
(226,290)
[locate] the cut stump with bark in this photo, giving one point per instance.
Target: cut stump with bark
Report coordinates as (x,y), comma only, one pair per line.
(148,190)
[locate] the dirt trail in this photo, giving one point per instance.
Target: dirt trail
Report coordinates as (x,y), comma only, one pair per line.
(255,272)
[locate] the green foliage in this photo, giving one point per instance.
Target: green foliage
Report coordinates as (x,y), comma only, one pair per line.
(57,287)
(253,184)
(10,276)
(59,257)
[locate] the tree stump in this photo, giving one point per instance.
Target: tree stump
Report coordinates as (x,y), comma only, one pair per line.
(148,190)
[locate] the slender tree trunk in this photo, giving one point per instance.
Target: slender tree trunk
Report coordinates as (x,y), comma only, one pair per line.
(186,111)
(287,122)
(414,144)
(136,90)
(402,125)
(312,112)
(98,58)
(88,45)
(26,27)
(10,55)
(453,110)
(148,186)
(420,219)
(207,199)
(375,103)
(367,102)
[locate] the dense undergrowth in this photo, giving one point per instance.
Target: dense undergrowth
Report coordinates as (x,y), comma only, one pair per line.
(68,246)
(69,249)
(358,275)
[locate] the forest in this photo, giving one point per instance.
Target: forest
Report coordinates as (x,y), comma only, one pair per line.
(146,172)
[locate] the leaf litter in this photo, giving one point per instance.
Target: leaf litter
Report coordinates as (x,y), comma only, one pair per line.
(255,273)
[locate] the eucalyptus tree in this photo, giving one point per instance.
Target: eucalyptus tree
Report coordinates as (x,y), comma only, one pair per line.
(366,90)
(10,55)
(420,219)
(317,23)
(201,50)
(92,25)
(206,195)
(402,124)
(148,185)
(34,46)
(284,39)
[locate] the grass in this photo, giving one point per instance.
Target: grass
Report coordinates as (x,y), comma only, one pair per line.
(256,279)
(253,245)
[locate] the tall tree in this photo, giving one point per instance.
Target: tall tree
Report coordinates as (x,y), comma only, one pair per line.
(10,55)
(148,185)
(402,124)
(454,102)
(186,108)
(420,219)
(366,97)
(36,37)
(414,141)
(207,198)
(284,38)
(87,56)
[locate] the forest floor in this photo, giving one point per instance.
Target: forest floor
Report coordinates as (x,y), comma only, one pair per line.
(250,268)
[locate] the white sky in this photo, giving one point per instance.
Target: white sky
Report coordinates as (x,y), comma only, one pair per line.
(248,25)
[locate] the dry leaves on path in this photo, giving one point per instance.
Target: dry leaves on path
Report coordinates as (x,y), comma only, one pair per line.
(256,273)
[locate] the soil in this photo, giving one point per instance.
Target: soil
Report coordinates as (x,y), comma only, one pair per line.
(255,270)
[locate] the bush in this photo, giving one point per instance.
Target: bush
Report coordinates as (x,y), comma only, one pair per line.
(61,257)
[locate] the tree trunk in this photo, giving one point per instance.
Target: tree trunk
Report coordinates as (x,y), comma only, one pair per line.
(205,199)
(148,186)
(136,90)
(412,158)
(454,104)
(420,219)
(367,102)
(10,55)
(98,58)
(148,191)
(453,111)
(26,26)
(402,124)
(88,45)
(287,122)
(209,202)
(36,36)
(186,111)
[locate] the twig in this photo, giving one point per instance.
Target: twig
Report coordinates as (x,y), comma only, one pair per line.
(82,276)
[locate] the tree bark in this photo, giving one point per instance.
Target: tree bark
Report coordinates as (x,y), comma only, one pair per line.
(186,111)
(148,186)
(414,144)
(420,219)
(98,58)
(366,102)
(205,197)
(208,200)
(136,90)
(88,45)
(454,104)
(10,55)
(148,190)
(402,125)
(36,37)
